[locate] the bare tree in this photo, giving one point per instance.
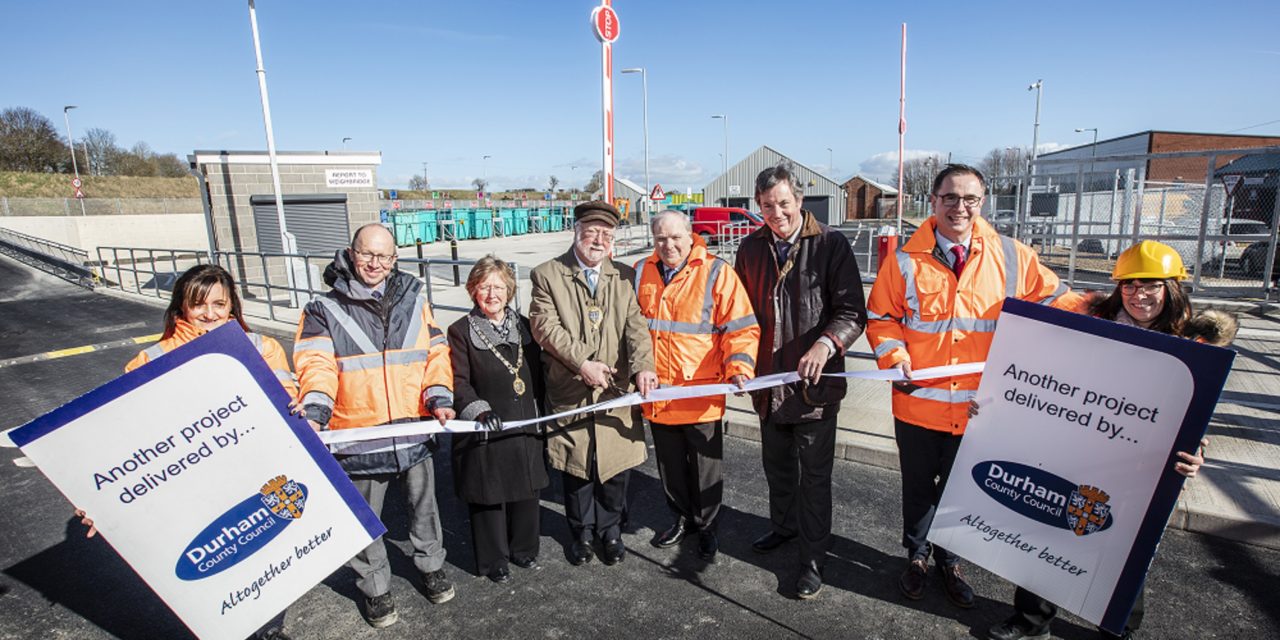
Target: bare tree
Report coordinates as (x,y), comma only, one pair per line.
(419,183)
(918,174)
(29,142)
(102,150)
(480,184)
(596,181)
(1006,161)
(552,183)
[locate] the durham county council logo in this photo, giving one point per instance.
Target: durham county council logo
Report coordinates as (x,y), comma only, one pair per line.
(1045,497)
(244,529)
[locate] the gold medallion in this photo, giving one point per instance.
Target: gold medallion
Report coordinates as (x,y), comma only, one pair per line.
(594,315)
(518,385)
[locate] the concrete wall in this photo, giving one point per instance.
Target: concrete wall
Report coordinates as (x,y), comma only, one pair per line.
(167,231)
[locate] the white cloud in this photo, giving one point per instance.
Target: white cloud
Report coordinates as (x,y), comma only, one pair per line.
(1049,147)
(883,166)
(670,171)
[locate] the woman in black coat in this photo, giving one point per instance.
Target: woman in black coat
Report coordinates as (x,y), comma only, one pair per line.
(497,375)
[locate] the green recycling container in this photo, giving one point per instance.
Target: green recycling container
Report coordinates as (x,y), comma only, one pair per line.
(482,223)
(427,226)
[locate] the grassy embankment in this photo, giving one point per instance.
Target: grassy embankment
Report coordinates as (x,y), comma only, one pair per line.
(58,185)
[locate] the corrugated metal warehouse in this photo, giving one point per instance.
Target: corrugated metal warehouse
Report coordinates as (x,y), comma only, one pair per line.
(1161,169)
(737,188)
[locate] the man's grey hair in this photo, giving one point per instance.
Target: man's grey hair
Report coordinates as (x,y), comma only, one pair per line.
(783,172)
(669,213)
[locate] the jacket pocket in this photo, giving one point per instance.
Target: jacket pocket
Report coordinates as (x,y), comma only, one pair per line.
(934,290)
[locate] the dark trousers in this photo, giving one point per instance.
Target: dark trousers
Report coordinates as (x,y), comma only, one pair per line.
(797,464)
(371,565)
(503,531)
(689,464)
(1036,613)
(596,507)
(924,457)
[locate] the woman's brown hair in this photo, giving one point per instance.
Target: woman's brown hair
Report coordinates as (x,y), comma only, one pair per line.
(193,287)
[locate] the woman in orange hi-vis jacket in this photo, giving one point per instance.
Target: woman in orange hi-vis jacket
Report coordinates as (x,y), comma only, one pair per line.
(704,332)
(204,298)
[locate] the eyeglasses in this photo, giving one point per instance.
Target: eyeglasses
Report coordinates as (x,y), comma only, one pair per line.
(951,200)
(365,256)
(1146,288)
(597,232)
(491,288)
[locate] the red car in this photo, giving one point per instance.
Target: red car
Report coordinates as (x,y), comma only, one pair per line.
(718,224)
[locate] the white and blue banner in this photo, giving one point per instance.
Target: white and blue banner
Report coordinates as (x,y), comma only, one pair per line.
(194,470)
(1065,479)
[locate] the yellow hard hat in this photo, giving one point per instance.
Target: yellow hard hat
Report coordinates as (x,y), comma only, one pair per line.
(1149,260)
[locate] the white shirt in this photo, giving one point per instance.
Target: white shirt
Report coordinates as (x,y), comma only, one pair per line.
(945,245)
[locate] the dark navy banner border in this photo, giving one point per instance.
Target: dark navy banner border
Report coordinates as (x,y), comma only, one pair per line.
(228,339)
(1209,367)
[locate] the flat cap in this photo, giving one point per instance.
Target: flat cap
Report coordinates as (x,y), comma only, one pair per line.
(598,210)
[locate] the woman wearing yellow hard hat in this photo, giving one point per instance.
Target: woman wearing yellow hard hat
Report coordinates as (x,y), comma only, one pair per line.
(1149,295)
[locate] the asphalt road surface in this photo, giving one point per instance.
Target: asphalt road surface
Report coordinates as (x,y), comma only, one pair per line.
(57,584)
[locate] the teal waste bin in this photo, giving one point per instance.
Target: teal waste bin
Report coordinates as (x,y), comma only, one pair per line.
(507,217)
(520,221)
(482,223)
(462,224)
(557,220)
(427,226)
(403,228)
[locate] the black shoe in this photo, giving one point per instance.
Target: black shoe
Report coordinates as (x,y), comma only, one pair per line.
(580,553)
(708,545)
(439,588)
(500,576)
(958,590)
(1015,629)
(671,537)
(770,541)
(380,611)
(526,563)
(614,552)
(810,582)
(914,578)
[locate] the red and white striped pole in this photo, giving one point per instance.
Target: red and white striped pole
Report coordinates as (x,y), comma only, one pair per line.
(605,22)
(902,121)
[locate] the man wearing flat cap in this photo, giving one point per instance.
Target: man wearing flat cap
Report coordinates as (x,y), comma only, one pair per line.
(595,346)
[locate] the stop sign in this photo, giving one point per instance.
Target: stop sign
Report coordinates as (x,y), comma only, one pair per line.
(605,21)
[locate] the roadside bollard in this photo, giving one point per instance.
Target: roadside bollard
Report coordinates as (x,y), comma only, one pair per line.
(422,267)
(453,251)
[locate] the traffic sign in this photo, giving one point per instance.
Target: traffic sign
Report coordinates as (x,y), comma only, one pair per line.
(79,194)
(75,182)
(657,193)
(395,204)
(1231,181)
(605,21)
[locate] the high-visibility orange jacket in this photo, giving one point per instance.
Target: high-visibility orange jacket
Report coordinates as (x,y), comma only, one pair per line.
(921,313)
(364,361)
(185,332)
(703,330)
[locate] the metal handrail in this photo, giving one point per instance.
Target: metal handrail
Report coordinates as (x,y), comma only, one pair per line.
(64,261)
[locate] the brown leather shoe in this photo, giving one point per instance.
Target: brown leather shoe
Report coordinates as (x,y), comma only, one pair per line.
(913,579)
(958,590)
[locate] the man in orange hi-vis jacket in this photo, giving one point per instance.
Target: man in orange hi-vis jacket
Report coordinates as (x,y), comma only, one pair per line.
(935,303)
(704,332)
(369,353)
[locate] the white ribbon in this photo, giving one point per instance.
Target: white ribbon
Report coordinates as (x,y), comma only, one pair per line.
(663,394)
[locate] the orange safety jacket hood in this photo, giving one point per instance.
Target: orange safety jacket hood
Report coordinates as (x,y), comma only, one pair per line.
(920,312)
(704,331)
(185,332)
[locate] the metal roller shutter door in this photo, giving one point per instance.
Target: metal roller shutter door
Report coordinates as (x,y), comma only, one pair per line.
(319,222)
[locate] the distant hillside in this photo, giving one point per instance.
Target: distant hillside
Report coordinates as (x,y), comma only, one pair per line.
(58,185)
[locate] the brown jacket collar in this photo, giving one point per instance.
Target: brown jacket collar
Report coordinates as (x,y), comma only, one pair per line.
(809,227)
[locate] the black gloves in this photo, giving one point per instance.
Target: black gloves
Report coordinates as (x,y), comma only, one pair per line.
(489,421)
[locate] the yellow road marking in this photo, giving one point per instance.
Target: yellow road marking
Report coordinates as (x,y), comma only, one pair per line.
(75,351)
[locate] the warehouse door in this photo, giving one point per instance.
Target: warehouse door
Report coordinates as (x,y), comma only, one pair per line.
(318,222)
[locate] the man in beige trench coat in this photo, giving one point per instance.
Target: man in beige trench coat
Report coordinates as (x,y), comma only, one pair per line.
(596,346)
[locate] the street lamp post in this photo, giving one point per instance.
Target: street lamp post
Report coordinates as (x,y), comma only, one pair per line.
(725,117)
(1093,151)
(1038,87)
(344,143)
(71,146)
(644,83)
(484,162)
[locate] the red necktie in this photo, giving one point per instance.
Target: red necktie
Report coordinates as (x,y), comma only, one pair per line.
(958,251)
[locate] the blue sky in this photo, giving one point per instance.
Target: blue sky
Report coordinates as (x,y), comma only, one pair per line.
(450,82)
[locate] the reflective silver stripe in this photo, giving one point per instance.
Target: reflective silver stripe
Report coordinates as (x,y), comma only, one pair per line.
(748,320)
(888,345)
(319,343)
(437,391)
(438,340)
(1062,288)
(639,273)
(908,269)
(256,340)
(708,298)
(285,376)
(871,315)
(943,395)
(154,351)
(1011,270)
(950,324)
(317,398)
(361,362)
(672,326)
(408,356)
(741,357)
(348,325)
(415,322)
